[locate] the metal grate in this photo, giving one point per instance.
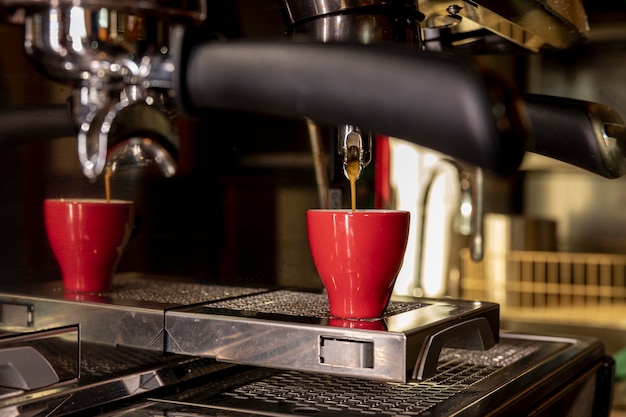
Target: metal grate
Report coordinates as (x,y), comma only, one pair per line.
(558,283)
(179,293)
(295,303)
(457,372)
(98,360)
(104,360)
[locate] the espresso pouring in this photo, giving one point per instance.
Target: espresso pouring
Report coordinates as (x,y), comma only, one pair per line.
(353,173)
(107,183)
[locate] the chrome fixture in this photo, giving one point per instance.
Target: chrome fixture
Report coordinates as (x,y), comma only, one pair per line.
(354,145)
(117,57)
(533,25)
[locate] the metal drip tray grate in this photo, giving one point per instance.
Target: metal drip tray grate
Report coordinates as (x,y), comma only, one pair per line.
(296,303)
(461,377)
(276,328)
(331,394)
(178,293)
(458,370)
(101,360)
(287,329)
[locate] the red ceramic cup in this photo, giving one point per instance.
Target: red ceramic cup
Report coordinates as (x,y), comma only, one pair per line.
(88,237)
(358,256)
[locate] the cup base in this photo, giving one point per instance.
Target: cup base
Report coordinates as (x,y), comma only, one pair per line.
(87,289)
(357,318)
(365,324)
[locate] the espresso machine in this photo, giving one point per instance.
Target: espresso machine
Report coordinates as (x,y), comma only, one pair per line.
(368,70)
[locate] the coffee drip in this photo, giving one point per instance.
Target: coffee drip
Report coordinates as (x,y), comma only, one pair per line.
(353,174)
(107,182)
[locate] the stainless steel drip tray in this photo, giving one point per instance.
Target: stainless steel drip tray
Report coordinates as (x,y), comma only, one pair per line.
(130,315)
(518,373)
(108,375)
(276,328)
(292,329)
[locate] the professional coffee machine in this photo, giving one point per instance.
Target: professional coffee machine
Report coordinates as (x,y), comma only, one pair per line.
(117,57)
(126,64)
(163,346)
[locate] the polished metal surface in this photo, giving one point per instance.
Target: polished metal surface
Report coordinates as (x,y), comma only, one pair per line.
(354,145)
(511,379)
(297,10)
(369,27)
(457,372)
(130,315)
(35,360)
(117,56)
(519,372)
(285,329)
(293,330)
(193,9)
(531,24)
(107,375)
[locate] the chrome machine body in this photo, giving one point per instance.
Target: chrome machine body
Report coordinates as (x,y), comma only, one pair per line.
(154,347)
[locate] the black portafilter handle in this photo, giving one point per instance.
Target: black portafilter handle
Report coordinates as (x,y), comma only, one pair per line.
(588,135)
(440,101)
(436,100)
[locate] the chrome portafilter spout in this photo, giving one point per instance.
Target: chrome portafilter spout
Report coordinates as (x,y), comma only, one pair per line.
(129,123)
(354,145)
(117,57)
(138,135)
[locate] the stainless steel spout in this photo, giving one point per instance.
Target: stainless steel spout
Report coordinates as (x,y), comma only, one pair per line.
(354,145)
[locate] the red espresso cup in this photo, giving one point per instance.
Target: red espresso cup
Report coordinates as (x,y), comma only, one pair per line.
(358,256)
(88,237)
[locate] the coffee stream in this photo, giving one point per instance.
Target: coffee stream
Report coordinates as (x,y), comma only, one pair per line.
(107,182)
(353,173)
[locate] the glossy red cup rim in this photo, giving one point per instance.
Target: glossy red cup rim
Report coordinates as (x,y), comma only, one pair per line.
(88,201)
(358,211)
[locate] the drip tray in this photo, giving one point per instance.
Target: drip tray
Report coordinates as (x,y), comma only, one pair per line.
(292,392)
(275,328)
(287,329)
(509,379)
